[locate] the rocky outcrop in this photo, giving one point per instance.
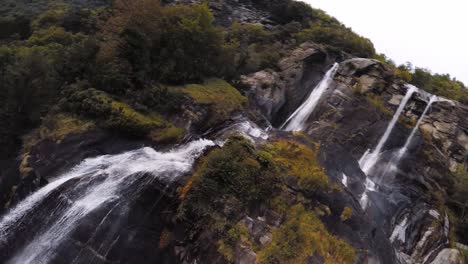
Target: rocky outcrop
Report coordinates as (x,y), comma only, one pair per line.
(268,91)
(278,94)
(229,11)
(352,117)
(448,255)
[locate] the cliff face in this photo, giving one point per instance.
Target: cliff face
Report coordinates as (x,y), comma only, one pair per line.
(258,194)
(351,118)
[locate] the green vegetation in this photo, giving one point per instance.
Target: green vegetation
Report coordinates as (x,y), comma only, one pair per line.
(227,243)
(435,83)
(235,172)
(231,181)
(340,37)
(458,203)
(301,236)
(220,96)
(346,214)
(378,103)
(298,160)
(116,115)
(56,128)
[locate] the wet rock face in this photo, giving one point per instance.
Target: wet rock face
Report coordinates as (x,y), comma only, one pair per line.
(130,230)
(351,119)
(267,90)
(278,94)
(48,159)
(448,255)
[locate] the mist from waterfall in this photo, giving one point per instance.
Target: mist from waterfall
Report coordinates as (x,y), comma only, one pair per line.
(296,121)
(99,182)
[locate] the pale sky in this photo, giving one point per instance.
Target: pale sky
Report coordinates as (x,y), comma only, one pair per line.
(431,34)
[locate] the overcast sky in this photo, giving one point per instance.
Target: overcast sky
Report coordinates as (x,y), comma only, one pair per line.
(429,33)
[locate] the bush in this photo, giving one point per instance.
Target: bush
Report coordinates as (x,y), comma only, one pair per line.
(113,114)
(173,44)
(55,35)
(56,128)
(340,37)
(346,214)
(234,176)
(302,235)
(440,84)
(457,201)
(220,96)
(14,27)
(298,160)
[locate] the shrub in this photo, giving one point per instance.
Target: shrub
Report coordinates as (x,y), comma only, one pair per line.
(457,201)
(346,214)
(54,34)
(175,44)
(233,175)
(298,160)
(340,37)
(56,128)
(220,96)
(302,235)
(248,33)
(116,115)
(440,84)
(14,27)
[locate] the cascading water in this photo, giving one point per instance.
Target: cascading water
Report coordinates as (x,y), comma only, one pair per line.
(297,120)
(370,158)
(93,184)
(392,166)
(403,150)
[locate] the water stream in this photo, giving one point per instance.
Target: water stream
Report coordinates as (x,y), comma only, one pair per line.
(392,166)
(296,121)
(99,182)
(370,158)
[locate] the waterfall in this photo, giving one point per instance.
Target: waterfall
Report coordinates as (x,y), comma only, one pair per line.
(369,159)
(297,120)
(96,183)
(392,166)
(403,150)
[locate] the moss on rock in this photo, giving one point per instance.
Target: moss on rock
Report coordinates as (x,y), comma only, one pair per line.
(220,96)
(298,160)
(302,235)
(120,116)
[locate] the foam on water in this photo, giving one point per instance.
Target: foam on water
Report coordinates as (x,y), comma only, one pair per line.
(118,173)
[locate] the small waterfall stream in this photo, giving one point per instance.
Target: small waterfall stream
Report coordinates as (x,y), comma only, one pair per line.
(99,182)
(403,150)
(393,164)
(370,158)
(297,120)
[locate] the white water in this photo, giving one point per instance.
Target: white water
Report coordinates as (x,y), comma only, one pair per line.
(297,120)
(392,167)
(399,232)
(403,150)
(345,180)
(101,180)
(369,159)
(251,130)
